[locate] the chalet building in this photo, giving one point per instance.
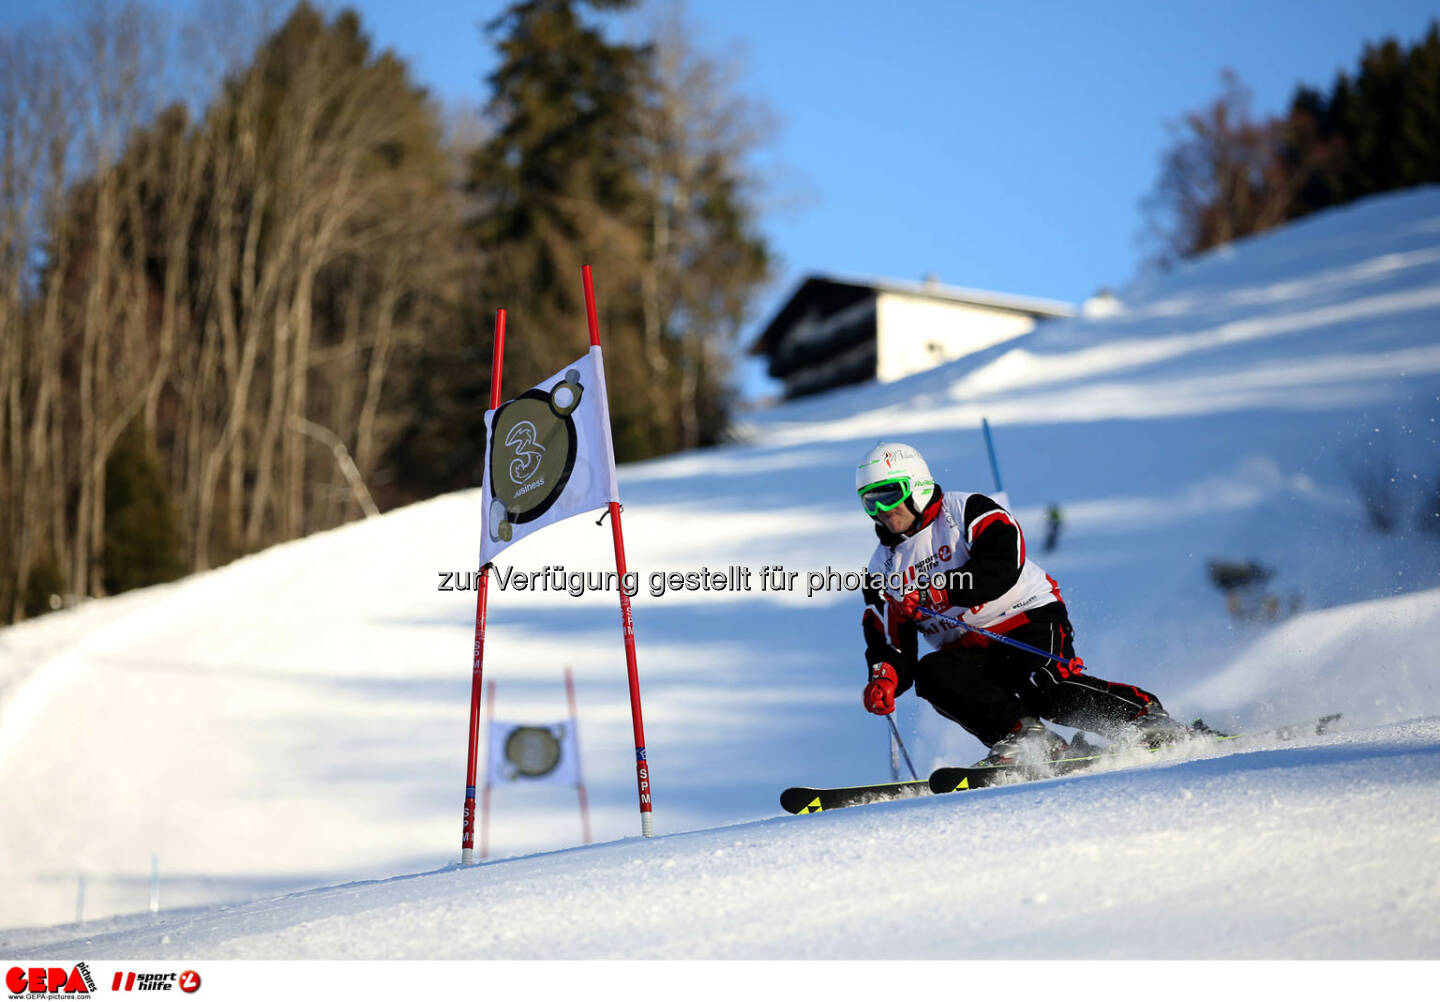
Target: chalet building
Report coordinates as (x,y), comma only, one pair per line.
(837,331)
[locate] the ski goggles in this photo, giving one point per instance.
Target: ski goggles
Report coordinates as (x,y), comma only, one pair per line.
(884,496)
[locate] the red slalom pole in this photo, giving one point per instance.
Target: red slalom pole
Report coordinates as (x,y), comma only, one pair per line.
(627,620)
(467,834)
(579,773)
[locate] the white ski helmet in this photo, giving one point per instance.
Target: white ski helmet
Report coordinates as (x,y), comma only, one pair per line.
(890,474)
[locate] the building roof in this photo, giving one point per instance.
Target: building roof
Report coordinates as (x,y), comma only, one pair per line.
(835,292)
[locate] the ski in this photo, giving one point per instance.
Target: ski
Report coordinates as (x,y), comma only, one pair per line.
(957,778)
(1285,732)
(808,800)
(953,779)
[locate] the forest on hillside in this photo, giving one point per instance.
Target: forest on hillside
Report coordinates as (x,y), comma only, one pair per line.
(231,321)
(248,270)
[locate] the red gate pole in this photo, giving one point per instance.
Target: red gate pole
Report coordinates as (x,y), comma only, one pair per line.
(579,773)
(642,767)
(467,834)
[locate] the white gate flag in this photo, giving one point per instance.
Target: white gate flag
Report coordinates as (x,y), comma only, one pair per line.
(534,753)
(548,455)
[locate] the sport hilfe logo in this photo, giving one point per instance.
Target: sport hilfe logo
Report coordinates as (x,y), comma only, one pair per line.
(33,982)
(135,981)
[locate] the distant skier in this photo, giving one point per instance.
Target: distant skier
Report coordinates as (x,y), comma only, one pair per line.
(964,556)
(1053,523)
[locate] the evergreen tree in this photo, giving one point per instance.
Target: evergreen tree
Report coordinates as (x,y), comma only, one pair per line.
(1375,131)
(1417,144)
(1375,124)
(556,181)
(600,155)
(550,189)
(142,537)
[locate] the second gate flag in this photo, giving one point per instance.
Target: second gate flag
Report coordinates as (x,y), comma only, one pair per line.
(534,753)
(548,455)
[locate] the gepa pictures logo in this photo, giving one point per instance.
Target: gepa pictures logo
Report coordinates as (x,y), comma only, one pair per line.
(56,982)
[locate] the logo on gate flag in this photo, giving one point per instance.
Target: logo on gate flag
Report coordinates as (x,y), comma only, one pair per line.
(534,753)
(548,455)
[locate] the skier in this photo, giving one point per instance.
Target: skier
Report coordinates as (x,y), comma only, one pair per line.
(963,555)
(1053,521)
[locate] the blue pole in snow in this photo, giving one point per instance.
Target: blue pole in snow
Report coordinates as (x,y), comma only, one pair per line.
(990,448)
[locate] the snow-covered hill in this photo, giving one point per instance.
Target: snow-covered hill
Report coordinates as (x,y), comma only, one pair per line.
(298,718)
(1306,852)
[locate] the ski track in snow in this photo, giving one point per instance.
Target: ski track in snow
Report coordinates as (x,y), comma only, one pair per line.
(297,718)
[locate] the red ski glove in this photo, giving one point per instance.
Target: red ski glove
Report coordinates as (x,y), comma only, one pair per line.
(932,597)
(880,693)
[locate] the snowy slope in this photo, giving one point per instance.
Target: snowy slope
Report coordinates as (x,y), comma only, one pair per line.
(1300,852)
(298,718)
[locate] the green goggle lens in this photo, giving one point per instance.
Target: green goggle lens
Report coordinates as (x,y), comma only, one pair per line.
(884,496)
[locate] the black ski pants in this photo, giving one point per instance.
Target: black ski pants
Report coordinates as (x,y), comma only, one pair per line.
(986,690)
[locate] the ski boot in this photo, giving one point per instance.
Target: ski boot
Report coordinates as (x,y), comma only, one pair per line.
(1029,746)
(1154,728)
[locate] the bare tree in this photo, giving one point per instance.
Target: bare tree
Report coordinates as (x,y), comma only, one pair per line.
(703,260)
(1225,176)
(233,276)
(36,125)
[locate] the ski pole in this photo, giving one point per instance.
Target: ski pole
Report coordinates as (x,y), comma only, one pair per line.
(896,732)
(1069,663)
(990,448)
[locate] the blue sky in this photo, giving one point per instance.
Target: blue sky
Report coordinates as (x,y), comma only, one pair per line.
(1001,146)
(1004,146)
